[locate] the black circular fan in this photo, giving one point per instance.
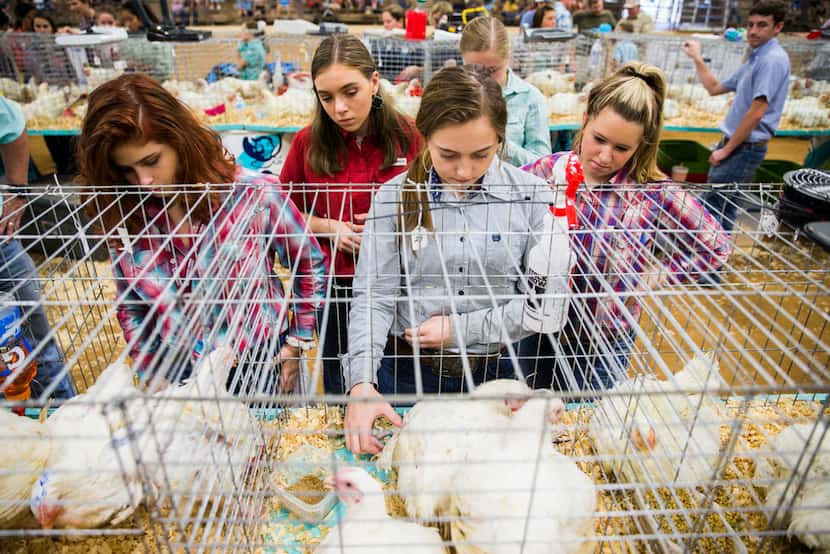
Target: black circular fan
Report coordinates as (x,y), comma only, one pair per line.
(805,197)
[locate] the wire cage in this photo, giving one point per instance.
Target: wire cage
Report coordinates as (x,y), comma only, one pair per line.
(440,53)
(51,81)
(712,436)
(559,69)
(396,58)
(689,105)
(275,92)
(50,78)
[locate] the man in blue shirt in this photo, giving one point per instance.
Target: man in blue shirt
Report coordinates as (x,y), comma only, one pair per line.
(17,270)
(760,87)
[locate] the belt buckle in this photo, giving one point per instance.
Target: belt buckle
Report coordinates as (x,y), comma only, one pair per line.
(450,366)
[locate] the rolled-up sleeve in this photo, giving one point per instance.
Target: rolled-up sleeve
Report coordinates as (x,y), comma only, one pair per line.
(12,121)
(376,290)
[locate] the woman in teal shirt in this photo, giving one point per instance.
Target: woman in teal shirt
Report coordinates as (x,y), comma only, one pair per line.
(251,56)
(485,43)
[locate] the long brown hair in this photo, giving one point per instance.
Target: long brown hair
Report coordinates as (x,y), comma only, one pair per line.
(136,108)
(454,96)
(636,92)
(328,147)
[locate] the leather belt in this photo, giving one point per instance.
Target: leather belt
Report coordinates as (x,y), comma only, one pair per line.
(747,143)
(443,363)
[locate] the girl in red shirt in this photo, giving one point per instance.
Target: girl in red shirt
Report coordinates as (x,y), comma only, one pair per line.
(357,140)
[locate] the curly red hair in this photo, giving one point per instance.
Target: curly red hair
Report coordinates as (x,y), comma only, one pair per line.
(136,108)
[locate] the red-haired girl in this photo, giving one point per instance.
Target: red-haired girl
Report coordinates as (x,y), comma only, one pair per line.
(194,264)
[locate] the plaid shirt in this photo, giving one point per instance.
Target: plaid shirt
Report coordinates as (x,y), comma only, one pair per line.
(616,242)
(231,257)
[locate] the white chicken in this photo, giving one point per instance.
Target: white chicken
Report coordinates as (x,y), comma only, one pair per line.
(300,80)
(783,473)
(24,453)
(550,81)
(49,104)
(808,111)
(697,96)
(511,499)
(437,437)
(800,88)
(97,76)
(565,103)
(366,528)
(671,109)
(650,433)
(19,92)
(202,439)
(292,103)
(404,96)
(90,479)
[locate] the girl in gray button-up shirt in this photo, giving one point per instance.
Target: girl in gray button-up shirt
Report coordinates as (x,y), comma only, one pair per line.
(443,261)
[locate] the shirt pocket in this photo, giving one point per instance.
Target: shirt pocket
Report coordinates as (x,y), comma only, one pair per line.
(516,124)
(502,253)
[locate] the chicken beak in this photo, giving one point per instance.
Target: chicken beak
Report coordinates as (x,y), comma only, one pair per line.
(514,403)
(330,483)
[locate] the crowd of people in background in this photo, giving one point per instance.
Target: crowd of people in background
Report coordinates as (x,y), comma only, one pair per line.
(566,15)
(75,16)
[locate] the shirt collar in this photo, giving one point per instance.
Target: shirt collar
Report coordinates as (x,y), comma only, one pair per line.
(514,85)
(491,183)
(755,52)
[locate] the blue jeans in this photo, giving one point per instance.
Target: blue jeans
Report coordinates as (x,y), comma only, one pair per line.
(740,167)
(594,367)
(335,331)
(17,268)
(397,376)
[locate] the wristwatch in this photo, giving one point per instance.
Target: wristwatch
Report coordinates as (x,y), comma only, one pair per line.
(303,345)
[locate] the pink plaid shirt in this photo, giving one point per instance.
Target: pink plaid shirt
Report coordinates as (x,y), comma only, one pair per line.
(223,287)
(616,240)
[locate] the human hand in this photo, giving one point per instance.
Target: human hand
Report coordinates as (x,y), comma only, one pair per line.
(718,156)
(435,332)
(692,49)
(361,412)
(289,362)
(347,236)
(408,73)
(12,212)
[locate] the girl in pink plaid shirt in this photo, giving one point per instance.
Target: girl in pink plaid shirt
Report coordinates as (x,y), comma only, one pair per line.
(624,203)
(194,264)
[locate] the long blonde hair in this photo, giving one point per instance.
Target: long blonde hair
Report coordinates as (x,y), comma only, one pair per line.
(454,96)
(636,92)
(486,34)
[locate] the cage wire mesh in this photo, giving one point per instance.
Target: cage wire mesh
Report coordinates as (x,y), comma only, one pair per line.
(711,438)
(438,54)
(689,105)
(52,81)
